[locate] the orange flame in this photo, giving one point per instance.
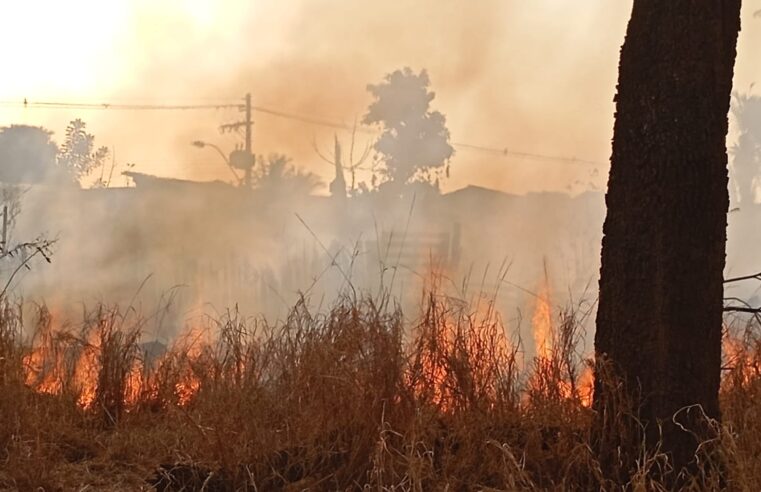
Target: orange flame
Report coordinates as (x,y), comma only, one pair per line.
(86,371)
(193,345)
(449,336)
(42,371)
(543,332)
(58,362)
(134,385)
(541,322)
(737,359)
(44,366)
(585,386)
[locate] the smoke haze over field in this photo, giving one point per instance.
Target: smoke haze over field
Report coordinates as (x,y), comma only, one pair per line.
(528,76)
(413,236)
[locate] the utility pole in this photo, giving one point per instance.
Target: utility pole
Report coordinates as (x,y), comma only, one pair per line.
(5,230)
(243,159)
(249,123)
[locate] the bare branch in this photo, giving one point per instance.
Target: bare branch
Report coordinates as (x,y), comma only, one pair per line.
(365,155)
(756,276)
(40,247)
(317,150)
(742,309)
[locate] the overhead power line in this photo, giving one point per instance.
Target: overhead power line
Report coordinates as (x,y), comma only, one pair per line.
(175,107)
(100,106)
(528,155)
(312,120)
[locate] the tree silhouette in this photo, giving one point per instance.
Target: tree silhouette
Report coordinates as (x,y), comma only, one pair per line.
(78,156)
(27,154)
(414,145)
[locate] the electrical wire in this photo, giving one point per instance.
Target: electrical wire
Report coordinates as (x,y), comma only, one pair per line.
(312,120)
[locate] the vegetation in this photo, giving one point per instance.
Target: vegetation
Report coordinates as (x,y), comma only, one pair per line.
(78,156)
(414,145)
(355,398)
(360,397)
(29,155)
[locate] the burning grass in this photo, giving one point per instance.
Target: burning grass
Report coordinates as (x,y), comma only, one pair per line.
(354,398)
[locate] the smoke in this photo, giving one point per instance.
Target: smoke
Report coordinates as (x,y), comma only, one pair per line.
(523,77)
(506,75)
(537,78)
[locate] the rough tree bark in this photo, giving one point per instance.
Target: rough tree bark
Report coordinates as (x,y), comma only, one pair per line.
(659,321)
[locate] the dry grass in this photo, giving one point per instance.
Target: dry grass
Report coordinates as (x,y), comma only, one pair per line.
(353,399)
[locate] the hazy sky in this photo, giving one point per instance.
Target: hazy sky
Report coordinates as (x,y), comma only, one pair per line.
(531,76)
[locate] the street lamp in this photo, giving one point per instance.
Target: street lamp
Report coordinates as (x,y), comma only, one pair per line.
(201,144)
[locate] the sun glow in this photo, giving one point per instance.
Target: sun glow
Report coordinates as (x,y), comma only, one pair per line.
(61,48)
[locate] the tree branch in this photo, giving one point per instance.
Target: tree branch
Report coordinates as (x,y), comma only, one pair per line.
(756,276)
(742,309)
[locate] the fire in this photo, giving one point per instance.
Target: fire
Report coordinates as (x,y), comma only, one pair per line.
(541,322)
(732,348)
(195,341)
(551,364)
(459,348)
(86,371)
(135,385)
(585,386)
(42,372)
(737,359)
(59,362)
(44,366)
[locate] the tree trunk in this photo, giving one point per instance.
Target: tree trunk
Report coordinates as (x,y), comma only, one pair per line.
(659,321)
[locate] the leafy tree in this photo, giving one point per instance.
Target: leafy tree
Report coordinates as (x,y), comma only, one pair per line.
(414,145)
(78,156)
(659,317)
(27,154)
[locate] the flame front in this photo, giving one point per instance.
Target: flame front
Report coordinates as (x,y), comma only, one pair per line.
(567,385)
(60,362)
(86,372)
(541,322)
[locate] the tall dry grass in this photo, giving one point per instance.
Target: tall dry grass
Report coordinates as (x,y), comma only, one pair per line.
(355,398)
